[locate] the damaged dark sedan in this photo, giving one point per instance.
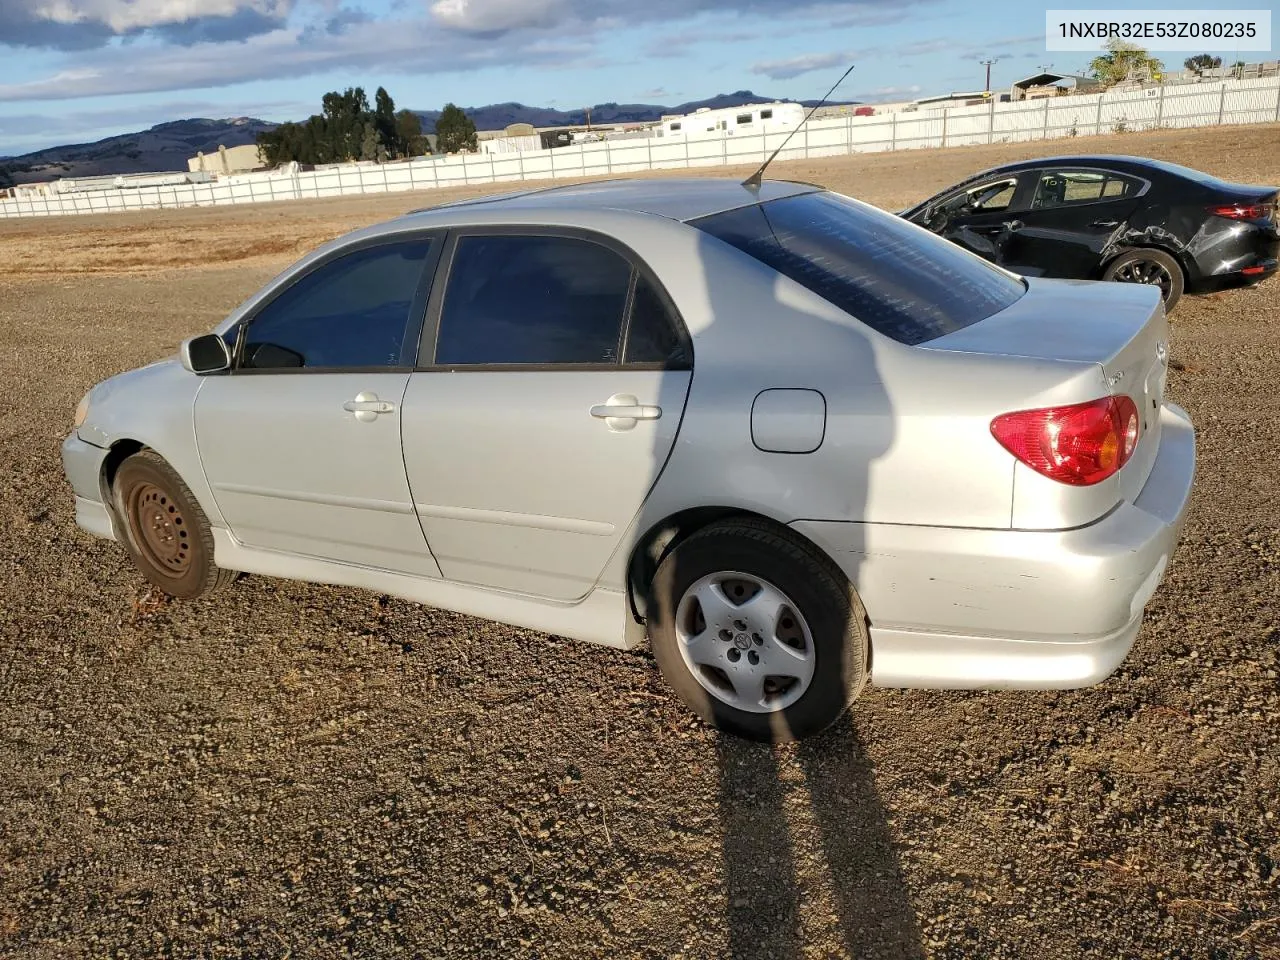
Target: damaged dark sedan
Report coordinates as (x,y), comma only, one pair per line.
(1127,219)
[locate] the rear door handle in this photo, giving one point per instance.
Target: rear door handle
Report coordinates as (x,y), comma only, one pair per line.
(1105,223)
(623,410)
(366,406)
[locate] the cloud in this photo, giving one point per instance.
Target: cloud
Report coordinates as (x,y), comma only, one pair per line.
(888,94)
(795,66)
(83,24)
(397,46)
(294,38)
(495,17)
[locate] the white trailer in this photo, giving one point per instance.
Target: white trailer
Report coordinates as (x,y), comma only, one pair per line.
(751,118)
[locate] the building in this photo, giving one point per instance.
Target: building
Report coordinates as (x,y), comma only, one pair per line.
(228,160)
(725,121)
(978,98)
(1042,85)
(108,183)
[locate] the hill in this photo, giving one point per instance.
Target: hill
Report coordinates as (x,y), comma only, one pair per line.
(166,146)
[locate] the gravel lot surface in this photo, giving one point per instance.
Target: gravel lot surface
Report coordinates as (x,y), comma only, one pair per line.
(296,770)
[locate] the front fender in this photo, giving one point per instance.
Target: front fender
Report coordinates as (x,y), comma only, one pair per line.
(153,406)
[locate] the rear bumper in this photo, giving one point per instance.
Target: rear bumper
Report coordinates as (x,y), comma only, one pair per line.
(82,463)
(955,608)
(1245,276)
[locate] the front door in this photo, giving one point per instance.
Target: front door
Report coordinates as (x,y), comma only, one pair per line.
(1072,221)
(977,217)
(552,391)
(301,441)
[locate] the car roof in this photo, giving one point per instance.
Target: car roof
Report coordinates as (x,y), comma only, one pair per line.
(1080,159)
(676,198)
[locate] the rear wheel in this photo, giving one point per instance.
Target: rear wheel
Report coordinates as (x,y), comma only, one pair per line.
(166,533)
(1150,266)
(760,634)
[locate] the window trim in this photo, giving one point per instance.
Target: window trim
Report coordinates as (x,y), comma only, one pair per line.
(1038,174)
(426,363)
(413,322)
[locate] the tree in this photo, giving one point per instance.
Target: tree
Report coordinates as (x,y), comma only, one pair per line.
(384,118)
(455,131)
(369,145)
(346,114)
(409,139)
(345,129)
(1122,61)
(1201,62)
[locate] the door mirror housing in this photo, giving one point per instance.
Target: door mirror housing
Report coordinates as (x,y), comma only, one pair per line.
(207,353)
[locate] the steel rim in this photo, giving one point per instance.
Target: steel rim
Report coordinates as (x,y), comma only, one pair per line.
(745,642)
(1147,271)
(159,529)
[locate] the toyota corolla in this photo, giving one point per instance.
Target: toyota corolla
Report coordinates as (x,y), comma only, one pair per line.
(798,442)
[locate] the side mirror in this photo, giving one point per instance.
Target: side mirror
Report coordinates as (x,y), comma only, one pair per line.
(207,353)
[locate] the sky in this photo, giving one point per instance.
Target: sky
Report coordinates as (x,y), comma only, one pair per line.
(79,70)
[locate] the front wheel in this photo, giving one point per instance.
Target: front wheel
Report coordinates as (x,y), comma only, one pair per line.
(1150,266)
(166,532)
(760,634)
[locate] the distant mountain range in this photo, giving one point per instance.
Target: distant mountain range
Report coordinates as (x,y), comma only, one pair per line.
(167,146)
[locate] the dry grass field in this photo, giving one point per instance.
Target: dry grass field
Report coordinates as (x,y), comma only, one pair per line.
(290,770)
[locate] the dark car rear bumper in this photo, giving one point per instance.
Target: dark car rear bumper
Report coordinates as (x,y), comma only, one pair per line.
(1246,276)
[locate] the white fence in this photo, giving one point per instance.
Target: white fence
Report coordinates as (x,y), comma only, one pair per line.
(1190,105)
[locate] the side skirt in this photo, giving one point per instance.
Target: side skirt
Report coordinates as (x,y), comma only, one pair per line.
(601,617)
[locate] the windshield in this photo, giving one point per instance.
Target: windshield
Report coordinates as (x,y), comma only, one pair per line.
(896,278)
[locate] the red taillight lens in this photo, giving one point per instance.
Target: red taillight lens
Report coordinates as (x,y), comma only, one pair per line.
(1244,211)
(1081,444)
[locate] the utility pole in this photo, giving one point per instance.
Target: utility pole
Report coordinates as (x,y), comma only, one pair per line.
(988,64)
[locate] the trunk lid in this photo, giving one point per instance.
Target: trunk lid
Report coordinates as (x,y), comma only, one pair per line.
(1121,327)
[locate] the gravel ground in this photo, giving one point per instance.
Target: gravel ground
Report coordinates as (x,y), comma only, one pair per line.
(297,770)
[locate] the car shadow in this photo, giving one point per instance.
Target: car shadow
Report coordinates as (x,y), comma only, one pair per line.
(765,884)
(808,853)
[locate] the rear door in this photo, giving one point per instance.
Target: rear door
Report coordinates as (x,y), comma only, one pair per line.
(552,381)
(300,442)
(1072,218)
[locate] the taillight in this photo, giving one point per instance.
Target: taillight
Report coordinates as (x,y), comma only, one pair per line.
(1080,444)
(1244,211)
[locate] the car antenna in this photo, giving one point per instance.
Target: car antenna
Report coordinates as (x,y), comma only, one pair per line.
(755,178)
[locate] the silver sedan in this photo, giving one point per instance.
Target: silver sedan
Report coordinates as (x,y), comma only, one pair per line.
(798,442)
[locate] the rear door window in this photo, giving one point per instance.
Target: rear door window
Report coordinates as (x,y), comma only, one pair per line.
(1058,188)
(533,300)
(898,279)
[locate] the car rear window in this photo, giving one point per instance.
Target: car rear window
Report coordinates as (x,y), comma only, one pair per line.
(896,278)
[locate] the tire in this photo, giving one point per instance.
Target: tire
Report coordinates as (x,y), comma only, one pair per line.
(166,533)
(828,640)
(1148,265)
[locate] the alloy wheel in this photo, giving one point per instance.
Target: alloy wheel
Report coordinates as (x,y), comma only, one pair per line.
(745,642)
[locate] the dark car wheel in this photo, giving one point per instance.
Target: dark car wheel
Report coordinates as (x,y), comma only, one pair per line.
(166,532)
(760,634)
(1149,266)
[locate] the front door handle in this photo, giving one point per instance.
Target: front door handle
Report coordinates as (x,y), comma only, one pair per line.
(623,410)
(1108,224)
(1012,225)
(366,406)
